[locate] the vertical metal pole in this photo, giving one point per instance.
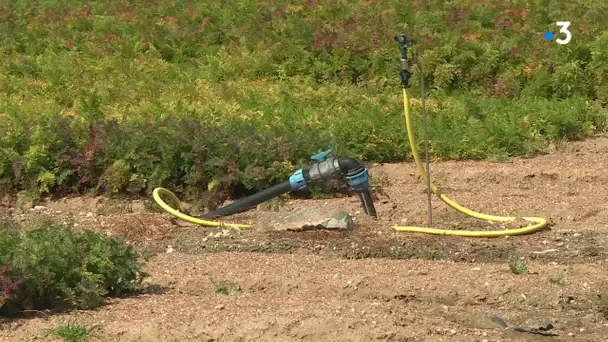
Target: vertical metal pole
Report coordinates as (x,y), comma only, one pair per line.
(426,145)
(405,75)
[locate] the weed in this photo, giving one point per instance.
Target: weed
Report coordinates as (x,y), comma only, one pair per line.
(557,279)
(72,332)
(518,268)
(276,202)
(433,254)
(226,287)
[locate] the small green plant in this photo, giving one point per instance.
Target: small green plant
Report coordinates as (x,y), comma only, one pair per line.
(275,203)
(72,332)
(557,279)
(518,267)
(432,254)
(226,287)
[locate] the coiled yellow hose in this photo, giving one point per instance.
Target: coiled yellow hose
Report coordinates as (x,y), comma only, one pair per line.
(177,212)
(539,222)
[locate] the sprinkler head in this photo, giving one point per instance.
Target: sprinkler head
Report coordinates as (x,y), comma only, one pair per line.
(401,39)
(404,43)
(404,74)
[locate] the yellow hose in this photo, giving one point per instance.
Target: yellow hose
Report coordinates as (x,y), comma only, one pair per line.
(539,222)
(177,213)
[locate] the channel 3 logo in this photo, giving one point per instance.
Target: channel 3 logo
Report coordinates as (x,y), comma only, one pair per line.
(564,29)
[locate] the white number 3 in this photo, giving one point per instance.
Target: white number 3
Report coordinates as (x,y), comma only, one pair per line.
(564,29)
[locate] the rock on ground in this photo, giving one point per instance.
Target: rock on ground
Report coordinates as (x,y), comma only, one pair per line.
(305,219)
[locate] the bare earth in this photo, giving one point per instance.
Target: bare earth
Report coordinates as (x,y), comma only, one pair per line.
(372,283)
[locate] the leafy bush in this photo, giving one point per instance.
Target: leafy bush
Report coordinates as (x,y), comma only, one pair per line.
(124,97)
(50,267)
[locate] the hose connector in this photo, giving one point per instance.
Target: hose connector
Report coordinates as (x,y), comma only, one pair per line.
(297,180)
(359,181)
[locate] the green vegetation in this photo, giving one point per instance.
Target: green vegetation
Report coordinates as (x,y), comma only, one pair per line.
(124,96)
(71,332)
(557,279)
(226,287)
(47,266)
(518,268)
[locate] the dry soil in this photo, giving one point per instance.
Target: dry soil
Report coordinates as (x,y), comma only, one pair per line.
(223,284)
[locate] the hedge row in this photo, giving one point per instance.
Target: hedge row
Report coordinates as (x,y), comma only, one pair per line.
(125,96)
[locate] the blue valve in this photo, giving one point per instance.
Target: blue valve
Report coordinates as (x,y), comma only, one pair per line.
(320,157)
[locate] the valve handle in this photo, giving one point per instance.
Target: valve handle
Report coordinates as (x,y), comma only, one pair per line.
(321,156)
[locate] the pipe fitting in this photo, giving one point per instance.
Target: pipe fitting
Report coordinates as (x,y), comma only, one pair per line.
(356,174)
(297,181)
(324,170)
(359,181)
(350,165)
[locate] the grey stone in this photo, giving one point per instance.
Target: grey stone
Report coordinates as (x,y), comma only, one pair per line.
(305,219)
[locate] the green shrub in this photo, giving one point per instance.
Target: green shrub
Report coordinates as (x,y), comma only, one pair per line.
(121,97)
(50,267)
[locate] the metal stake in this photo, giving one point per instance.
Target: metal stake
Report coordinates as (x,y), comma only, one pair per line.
(426,145)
